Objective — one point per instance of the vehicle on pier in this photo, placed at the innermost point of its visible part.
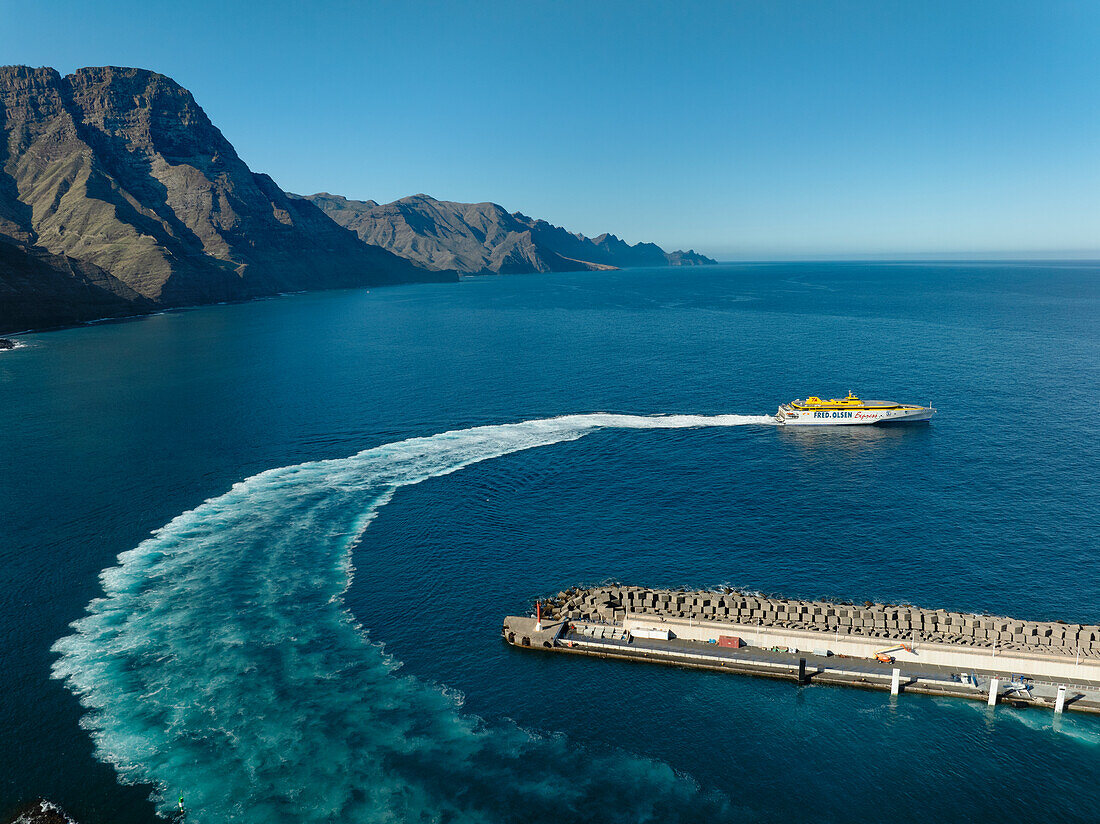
(883, 656)
(849, 411)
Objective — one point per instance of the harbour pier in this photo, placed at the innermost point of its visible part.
(875, 646)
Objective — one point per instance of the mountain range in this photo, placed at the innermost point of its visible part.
(484, 237)
(118, 196)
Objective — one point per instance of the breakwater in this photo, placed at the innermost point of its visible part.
(884, 621)
(884, 646)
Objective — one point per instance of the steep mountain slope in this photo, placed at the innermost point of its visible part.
(39, 289)
(484, 237)
(470, 237)
(688, 258)
(120, 170)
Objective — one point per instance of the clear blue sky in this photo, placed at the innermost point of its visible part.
(743, 129)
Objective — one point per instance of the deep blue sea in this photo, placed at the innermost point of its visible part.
(287, 532)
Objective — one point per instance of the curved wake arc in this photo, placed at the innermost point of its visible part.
(221, 660)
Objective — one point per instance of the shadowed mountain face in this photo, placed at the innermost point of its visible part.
(39, 289)
(115, 182)
(483, 237)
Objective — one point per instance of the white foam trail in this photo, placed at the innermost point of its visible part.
(221, 662)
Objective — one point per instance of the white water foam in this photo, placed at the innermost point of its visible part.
(1078, 729)
(42, 810)
(222, 663)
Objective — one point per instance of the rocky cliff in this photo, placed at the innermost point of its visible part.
(117, 194)
(484, 237)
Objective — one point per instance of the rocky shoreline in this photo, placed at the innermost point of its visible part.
(612, 603)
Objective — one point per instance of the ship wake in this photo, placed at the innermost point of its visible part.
(221, 662)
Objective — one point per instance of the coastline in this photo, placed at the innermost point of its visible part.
(457, 277)
(164, 310)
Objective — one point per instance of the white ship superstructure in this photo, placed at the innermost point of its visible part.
(849, 411)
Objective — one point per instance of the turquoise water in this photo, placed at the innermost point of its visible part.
(348, 490)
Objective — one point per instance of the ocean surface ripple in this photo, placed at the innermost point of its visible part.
(222, 663)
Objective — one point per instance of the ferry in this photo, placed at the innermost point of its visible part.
(849, 411)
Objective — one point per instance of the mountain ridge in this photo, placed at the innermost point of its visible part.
(484, 238)
(116, 181)
(119, 196)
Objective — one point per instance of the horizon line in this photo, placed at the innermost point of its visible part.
(917, 257)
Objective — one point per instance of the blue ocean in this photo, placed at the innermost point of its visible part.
(258, 554)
